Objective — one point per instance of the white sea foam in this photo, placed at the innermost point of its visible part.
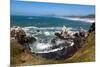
(30, 18)
(45, 28)
(46, 47)
(47, 33)
(72, 44)
(42, 46)
(59, 42)
(53, 50)
(79, 19)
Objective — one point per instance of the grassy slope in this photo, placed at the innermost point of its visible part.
(85, 54)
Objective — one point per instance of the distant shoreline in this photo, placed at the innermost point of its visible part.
(89, 20)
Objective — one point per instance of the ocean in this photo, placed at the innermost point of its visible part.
(43, 28)
(44, 21)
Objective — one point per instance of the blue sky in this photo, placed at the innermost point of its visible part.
(49, 9)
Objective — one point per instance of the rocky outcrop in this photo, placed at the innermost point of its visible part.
(21, 37)
(61, 37)
(92, 28)
(17, 32)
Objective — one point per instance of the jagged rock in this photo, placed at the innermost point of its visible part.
(38, 30)
(76, 35)
(17, 32)
(62, 37)
(92, 28)
(26, 39)
(21, 37)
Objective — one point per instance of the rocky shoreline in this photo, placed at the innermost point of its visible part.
(77, 40)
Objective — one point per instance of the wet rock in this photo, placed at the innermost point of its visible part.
(92, 28)
(77, 41)
(76, 35)
(62, 37)
(57, 34)
(28, 40)
(38, 30)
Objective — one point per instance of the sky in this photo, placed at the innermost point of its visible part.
(49, 9)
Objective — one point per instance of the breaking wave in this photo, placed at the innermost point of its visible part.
(49, 47)
(45, 31)
(44, 28)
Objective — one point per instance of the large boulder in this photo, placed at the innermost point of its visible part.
(63, 37)
(17, 32)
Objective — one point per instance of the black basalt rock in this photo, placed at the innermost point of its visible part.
(92, 28)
